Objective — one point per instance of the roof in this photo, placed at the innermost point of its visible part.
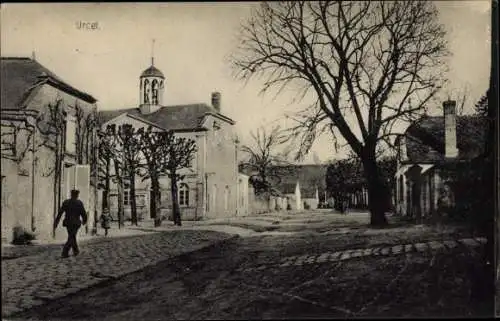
(22, 76)
(177, 118)
(425, 139)
(152, 71)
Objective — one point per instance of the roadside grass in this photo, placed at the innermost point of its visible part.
(446, 284)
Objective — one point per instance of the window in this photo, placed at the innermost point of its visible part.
(126, 197)
(214, 196)
(184, 195)
(146, 91)
(226, 198)
(194, 164)
(70, 134)
(154, 89)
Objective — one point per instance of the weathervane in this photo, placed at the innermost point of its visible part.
(153, 53)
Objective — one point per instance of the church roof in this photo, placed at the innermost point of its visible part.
(21, 76)
(152, 71)
(177, 118)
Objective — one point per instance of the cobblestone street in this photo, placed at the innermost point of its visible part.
(258, 275)
(31, 280)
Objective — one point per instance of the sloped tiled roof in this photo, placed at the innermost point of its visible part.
(178, 117)
(425, 139)
(20, 76)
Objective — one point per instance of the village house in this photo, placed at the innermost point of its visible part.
(425, 150)
(304, 186)
(212, 186)
(300, 187)
(47, 146)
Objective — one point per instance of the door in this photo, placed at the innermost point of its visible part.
(151, 204)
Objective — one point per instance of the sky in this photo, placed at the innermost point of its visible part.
(192, 43)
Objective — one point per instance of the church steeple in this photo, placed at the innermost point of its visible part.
(151, 87)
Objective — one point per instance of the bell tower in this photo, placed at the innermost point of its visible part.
(151, 84)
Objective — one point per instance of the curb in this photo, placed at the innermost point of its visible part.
(106, 280)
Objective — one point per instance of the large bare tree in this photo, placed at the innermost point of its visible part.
(368, 65)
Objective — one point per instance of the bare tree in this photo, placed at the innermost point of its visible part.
(51, 124)
(264, 161)
(111, 156)
(179, 154)
(362, 61)
(130, 148)
(17, 135)
(153, 146)
(105, 158)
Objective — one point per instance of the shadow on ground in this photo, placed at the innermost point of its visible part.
(208, 284)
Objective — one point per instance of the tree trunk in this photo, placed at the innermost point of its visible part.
(107, 183)
(120, 193)
(155, 186)
(133, 204)
(176, 212)
(56, 169)
(377, 191)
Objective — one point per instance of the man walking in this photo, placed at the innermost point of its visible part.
(73, 209)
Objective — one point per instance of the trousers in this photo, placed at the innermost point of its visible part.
(71, 242)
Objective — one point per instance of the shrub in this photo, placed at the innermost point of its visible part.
(307, 206)
(288, 207)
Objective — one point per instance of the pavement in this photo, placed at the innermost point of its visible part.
(32, 280)
(38, 280)
(276, 277)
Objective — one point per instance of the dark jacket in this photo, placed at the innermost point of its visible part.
(74, 209)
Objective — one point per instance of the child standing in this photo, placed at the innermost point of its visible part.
(105, 221)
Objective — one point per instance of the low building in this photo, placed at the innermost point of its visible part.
(47, 147)
(425, 151)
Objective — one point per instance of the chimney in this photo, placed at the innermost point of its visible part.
(216, 101)
(450, 129)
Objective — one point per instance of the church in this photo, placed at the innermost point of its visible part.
(212, 186)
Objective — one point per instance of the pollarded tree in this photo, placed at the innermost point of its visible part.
(154, 148)
(179, 154)
(111, 157)
(129, 143)
(105, 161)
(362, 61)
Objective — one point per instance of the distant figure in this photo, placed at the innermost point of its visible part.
(344, 207)
(73, 209)
(105, 221)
